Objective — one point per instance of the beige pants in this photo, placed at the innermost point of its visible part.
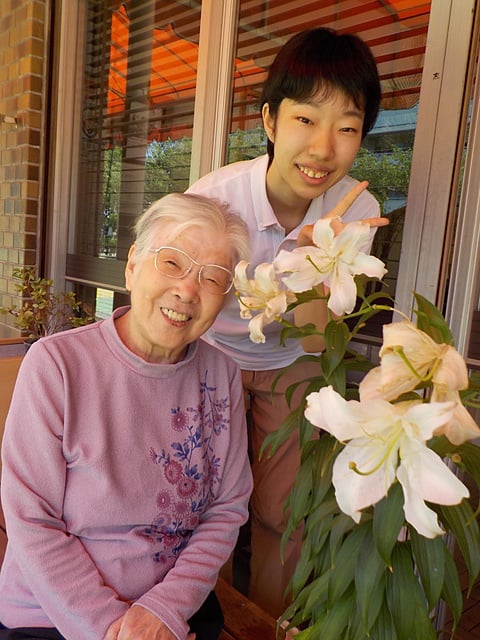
(273, 479)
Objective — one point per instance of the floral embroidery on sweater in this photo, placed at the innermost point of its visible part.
(191, 469)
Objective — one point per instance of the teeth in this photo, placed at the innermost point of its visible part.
(313, 174)
(174, 315)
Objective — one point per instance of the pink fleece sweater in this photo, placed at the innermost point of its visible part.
(123, 481)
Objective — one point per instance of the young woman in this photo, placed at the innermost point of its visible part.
(320, 99)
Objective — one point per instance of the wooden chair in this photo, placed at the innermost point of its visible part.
(244, 620)
(8, 374)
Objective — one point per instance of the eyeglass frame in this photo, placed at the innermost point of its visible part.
(193, 262)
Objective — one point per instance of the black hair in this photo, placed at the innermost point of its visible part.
(322, 59)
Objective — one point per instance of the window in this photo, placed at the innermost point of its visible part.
(396, 33)
(155, 93)
(137, 88)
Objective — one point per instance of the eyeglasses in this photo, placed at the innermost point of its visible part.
(175, 263)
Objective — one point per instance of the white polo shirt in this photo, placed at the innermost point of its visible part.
(243, 186)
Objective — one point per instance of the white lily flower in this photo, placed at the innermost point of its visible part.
(334, 261)
(387, 442)
(461, 427)
(262, 294)
(409, 355)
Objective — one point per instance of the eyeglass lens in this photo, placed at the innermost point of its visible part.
(174, 263)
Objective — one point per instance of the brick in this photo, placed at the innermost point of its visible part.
(19, 207)
(29, 189)
(23, 30)
(29, 224)
(31, 207)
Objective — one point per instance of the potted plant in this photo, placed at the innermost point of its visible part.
(382, 496)
(43, 311)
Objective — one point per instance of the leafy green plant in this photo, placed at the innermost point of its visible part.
(357, 579)
(44, 311)
(379, 494)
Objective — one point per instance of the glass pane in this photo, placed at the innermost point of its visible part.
(138, 90)
(396, 31)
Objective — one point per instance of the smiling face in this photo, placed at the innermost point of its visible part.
(315, 144)
(168, 314)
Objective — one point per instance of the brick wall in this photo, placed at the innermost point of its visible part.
(23, 83)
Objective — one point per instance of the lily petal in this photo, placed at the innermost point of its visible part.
(266, 280)
(343, 291)
(242, 283)
(452, 371)
(303, 268)
(346, 419)
(408, 356)
(425, 477)
(348, 243)
(422, 419)
(354, 491)
(461, 426)
(255, 326)
(369, 265)
(416, 511)
(262, 294)
(334, 260)
(323, 234)
(371, 386)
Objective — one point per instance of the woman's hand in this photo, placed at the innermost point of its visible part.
(305, 236)
(140, 624)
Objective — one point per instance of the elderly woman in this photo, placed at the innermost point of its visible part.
(125, 469)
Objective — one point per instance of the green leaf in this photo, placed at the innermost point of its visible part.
(306, 430)
(314, 383)
(471, 396)
(384, 627)
(337, 617)
(277, 438)
(300, 499)
(316, 603)
(303, 569)
(369, 582)
(356, 628)
(338, 379)
(403, 591)
(423, 629)
(452, 591)
(320, 517)
(298, 611)
(344, 562)
(336, 337)
(341, 526)
(326, 450)
(301, 360)
(314, 477)
(388, 518)
(461, 520)
(429, 557)
(292, 332)
(312, 633)
(431, 321)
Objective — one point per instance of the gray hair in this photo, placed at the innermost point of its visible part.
(180, 211)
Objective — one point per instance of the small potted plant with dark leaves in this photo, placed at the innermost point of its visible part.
(44, 311)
